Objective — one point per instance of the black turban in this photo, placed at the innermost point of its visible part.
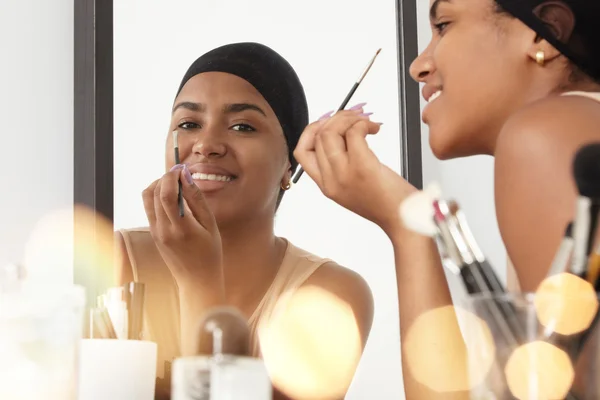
(270, 74)
(587, 12)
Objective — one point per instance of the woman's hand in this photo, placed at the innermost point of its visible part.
(335, 154)
(190, 245)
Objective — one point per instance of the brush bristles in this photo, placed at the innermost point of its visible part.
(362, 76)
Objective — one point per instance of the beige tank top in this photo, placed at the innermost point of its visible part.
(161, 306)
(511, 275)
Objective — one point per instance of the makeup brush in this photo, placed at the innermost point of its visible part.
(345, 102)
(136, 292)
(477, 275)
(563, 255)
(593, 276)
(586, 171)
(581, 233)
(584, 262)
(178, 161)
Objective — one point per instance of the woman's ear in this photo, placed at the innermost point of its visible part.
(286, 180)
(558, 17)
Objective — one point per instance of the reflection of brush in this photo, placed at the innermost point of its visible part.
(101, 326)
(345, 102)
(116, 305)
(135, 291)
(177, 161)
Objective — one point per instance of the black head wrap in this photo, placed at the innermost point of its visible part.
(270, 74)
(587, 13)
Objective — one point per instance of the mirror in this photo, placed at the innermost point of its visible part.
(468, 180)
(328, 44)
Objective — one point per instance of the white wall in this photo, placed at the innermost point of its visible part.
(155, 41)
(36, 110)
(468, 180)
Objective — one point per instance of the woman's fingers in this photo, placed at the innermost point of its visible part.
(169, 196)
(148, 198)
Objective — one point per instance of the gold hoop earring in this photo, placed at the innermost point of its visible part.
(286, 187)
(540, 58)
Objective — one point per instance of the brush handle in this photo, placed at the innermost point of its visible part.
(342, 106)
(469, 281)
(479, 278)
(348, 96)
(298, 175)
(489, 279)
(593, 271)
(180, 198)
(179, 192)
(594, 214)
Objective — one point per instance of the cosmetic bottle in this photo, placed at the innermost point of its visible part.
(222, 368)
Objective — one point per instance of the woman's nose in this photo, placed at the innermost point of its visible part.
(422, 67)
(210, 145)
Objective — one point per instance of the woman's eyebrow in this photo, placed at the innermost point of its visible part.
(239, 107)
(189, 105)
(434, 8)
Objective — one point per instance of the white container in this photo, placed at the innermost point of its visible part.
(231, 378)
(117, 369)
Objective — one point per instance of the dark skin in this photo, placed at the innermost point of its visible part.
(224, 251)
(497, 100)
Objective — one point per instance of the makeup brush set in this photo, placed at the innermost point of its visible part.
(565, 305)
(118, 313)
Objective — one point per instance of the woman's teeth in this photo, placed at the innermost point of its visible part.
(434, 96)
(210, 177)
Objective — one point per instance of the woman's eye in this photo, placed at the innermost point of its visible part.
(243, 128)
(441, 27)
(188, 125)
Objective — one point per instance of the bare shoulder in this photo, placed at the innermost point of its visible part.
(124, 246)
(334, 276)
(534, 188)
(350, 287)
(326, 322)
(555, 120)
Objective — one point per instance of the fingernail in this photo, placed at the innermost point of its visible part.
(326, 115)
(188, 175)
(358, 106)
(366, 114)
(176, 167)
(379, 123)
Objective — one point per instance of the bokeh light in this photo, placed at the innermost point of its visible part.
(566, 304)
(70, 239)
(311, 344)
(48, 253)
(437, 355)
(539, 371)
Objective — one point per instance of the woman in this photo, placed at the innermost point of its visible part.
(239, 112)
(516, 79)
